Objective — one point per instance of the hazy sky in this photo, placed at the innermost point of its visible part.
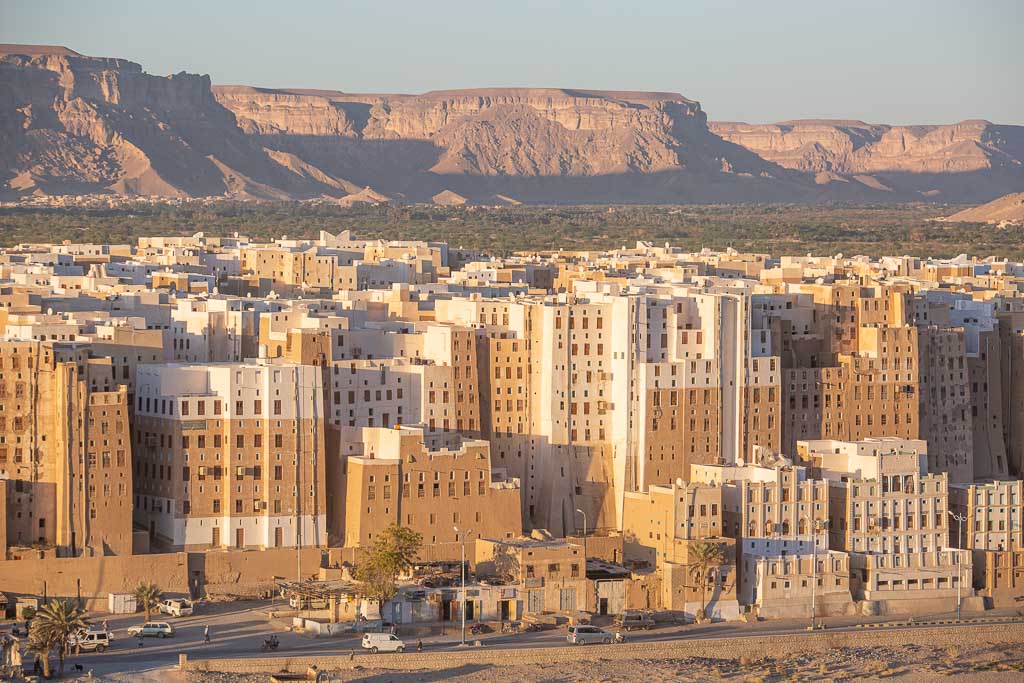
(893, 61)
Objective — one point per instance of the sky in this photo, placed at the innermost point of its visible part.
(894, 61)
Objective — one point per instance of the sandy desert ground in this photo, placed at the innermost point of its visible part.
(911, 664)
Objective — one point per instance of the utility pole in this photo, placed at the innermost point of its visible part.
(585, 555)
(961, 518)
(584, 538)
(816, 526)
(462, 538)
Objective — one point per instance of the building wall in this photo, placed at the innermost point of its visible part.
(945, 404)
(230, 455)
(994, 514)
(984, 371)
(399, 480)
(782, 586)
(913, 576)
(63, 447)
(658, 525)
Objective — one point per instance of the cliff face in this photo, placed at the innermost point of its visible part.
(494, 132)
(912, 158)
(76, 124)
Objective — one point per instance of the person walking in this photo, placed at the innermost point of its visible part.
(419, 646)
(206, 633)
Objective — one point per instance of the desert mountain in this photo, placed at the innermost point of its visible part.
(954, 162)
(72, 124)
(1008, 208)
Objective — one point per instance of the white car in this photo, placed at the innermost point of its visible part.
(91, 641)
(151, 629)
(382, 642)
(585, 635)
(176, 607)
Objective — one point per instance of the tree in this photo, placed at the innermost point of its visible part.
(148, 595)
(392, 552)
(704, 557)
(506, 563)
(55, 624)
(40, 645)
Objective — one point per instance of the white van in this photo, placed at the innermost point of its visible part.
(176, 607)
(382, 642)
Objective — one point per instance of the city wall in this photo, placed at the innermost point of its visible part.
(93, 578)
(721, 648)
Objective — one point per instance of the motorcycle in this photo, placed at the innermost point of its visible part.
(533, 627)
(478, 628)
(511, 627)
(269, 644)
(619, 638)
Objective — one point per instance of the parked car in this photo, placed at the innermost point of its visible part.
(91, 640)
(176, 607)
(585, 635)
(631, 621)
(382, 642)
(151, 629)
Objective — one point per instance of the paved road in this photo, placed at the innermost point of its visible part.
(238, 630)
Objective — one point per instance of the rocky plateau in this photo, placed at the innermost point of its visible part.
(73, 124)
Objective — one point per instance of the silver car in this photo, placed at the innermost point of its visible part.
(585, 635)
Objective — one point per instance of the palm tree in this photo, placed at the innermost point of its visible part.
(148, 595)
(55, 623)
(703, 557)
(40, 645)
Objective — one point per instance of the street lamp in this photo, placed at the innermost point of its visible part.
(961, 518)
(462, 538)
(816, 526)
(585, 553)
(584, 538)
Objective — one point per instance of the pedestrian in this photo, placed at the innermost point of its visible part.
(206, 633)
(419, 646)
(140, 640)
(106, 629)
